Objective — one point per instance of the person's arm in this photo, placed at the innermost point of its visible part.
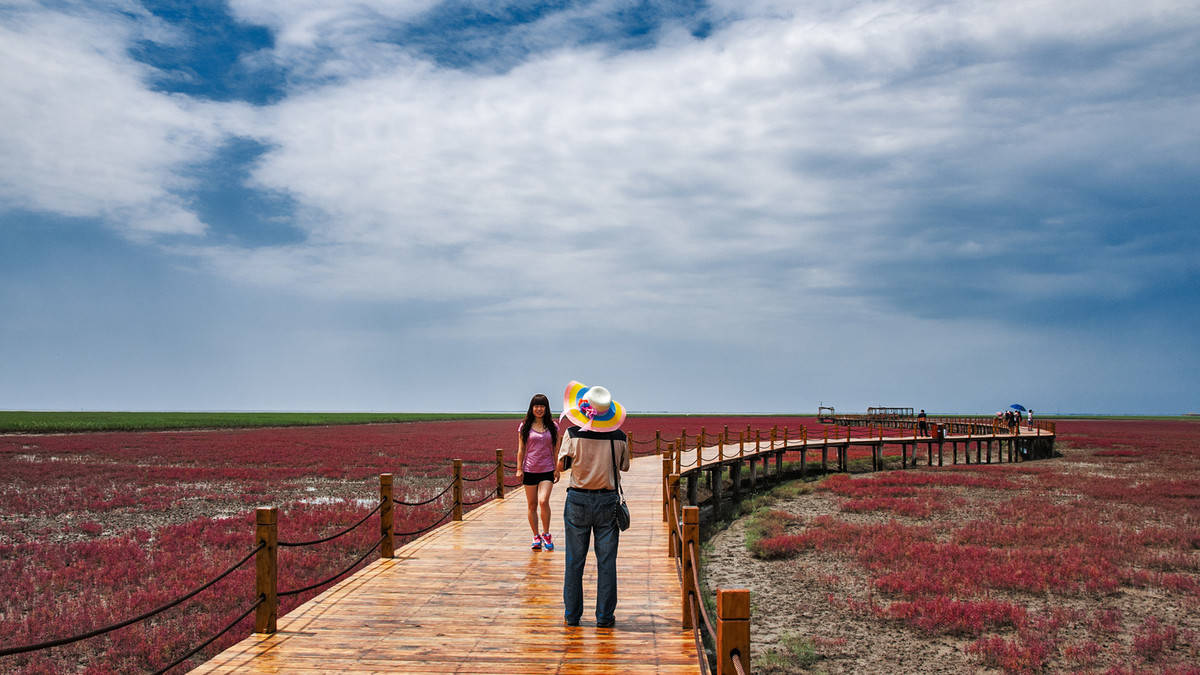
(626, 456)
(557, 462)
(520, 456)
(564, 455)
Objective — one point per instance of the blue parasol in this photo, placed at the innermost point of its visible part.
(1017, 406)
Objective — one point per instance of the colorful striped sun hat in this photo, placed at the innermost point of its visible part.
(592, 408)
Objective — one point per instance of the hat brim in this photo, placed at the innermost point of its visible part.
(611, 420)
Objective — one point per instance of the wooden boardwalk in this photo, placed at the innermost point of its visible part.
(470, 597)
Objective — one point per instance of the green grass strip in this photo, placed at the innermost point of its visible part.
(15, 421)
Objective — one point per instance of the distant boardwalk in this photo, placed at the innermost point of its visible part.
(470, 597)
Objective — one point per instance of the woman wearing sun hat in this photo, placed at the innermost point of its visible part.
(593, 447)
(537, 446)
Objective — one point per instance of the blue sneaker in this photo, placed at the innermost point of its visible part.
(547, 542)
(537, 543)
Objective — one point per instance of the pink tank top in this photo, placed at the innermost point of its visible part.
(539, 451)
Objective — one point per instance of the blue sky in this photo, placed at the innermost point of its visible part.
(724, 206)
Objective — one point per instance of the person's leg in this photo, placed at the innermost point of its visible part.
(576, 531)
(531, 504)
(607, 540)
(544, 490)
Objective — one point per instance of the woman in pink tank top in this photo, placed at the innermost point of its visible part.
(537, 449)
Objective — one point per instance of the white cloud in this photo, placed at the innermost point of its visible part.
(785, 159)
(82, 136)
(816, 139)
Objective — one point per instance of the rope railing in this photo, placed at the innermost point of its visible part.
(226, 629)
(427, 528)
(708, 624)
(427, 501)
(319, 584)
(331, 537)
(736, 656)
(696, 636)
(486, 475)
(485, 498)
(108, 629)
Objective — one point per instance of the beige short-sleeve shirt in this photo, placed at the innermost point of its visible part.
(591, 454)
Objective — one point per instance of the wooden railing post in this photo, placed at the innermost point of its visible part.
(388, 548)
(458, 492)
(658, 441)
(825, 452)
(499, 473)
(666, 487)
(741, 444)
(733, 630)
(266, 572)
(691, 535)
(674, 514)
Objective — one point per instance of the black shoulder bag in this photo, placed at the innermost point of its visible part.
(620, 511)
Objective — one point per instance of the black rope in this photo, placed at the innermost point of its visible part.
(423, 530)
(485, 498)
(486, 475)
(99, 631)
(512, 466)
(508, 485)
(322, 583)
(427, 501)
(185, 657)
(333, 536)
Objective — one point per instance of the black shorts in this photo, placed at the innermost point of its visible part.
(535, 478)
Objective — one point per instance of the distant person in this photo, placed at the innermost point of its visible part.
(594, 448)
(1030, 418)
(537, 446)
(922, 424)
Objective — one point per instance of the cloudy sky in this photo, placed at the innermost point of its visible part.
(734, 205)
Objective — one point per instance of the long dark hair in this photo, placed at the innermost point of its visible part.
(547, 420)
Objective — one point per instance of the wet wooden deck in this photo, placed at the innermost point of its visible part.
(470, 597)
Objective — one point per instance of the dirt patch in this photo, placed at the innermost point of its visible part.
(793, 597)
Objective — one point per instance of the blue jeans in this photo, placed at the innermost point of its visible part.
(586, 513)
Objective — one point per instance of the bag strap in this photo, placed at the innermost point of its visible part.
(616, 471)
